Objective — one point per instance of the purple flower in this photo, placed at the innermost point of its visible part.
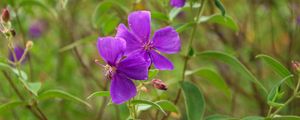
(121, 70)
(177, 3)
(165, 40)
(19, 51)
(37, 28)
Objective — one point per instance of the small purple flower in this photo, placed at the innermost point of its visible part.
(177, 3)
(121, 70)
(19, 51)
(165, 40)
(37, 28)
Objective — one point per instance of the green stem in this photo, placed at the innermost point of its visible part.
(186, 57)
(295, 94)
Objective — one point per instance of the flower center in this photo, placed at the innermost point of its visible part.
(110, 70)
(148, 46)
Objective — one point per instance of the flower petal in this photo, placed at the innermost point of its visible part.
(167, 40)
(121, 89)
(111, 49)
(161, 62)
(140, 24)
(134, 67)
(177, 3)
(132, 42)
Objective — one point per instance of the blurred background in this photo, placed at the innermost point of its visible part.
(64, 33)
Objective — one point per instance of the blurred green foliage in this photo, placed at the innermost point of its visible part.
(228, 81)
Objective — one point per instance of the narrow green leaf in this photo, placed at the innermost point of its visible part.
(99, 93)
(159, 16)
(219, 117)
(275, 92)
(79, 42)
(173, 13)
(4, 66)
(194, 101)
(214, 78)
(185, 26)
(34, 87)
(286, 118)
(105, 7)
(38, 3)
(167, 106)
(234, 63)
(220, 6)
(225, 21)
(278, 68)
(253, 118)
(61, 94)
(155, 105)
(152, 73)
(10, 105)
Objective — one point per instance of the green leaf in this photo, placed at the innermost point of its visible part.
(173, 13)
(152, 73)
(191, 52)
(219, 117)
(194, 101)
(185, 26)
(38, 3)
(234, 63)
(278, 68)
(23, 76)
(159, 16)
(286, 118)
(155, 105)
(10, 105)
(167, 106)
(214, 78)
(34, 87)
(106, 7)
(61, 94)
(275, 92)
(225, 21)
(253, 118)
(79, 42)
(99, 93)
(220, 6)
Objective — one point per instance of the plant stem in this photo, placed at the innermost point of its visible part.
(186, 57)
(295, 94)
(189, 46)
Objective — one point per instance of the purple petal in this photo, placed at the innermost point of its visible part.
(167, 40)
(111, 49)
(132, 42)
(19, 51)
(140, 24)
(121, 89)
(177, 3)
(161, 62)
(134, 67)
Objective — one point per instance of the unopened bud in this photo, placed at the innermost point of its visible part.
(159, 84)
(29, 44)
(5, 15)
(296, 66)
(144, 89)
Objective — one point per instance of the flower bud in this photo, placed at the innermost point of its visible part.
(296, 66)
(29, 44)
(159, 84)
(5, 15)
(144, 89)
